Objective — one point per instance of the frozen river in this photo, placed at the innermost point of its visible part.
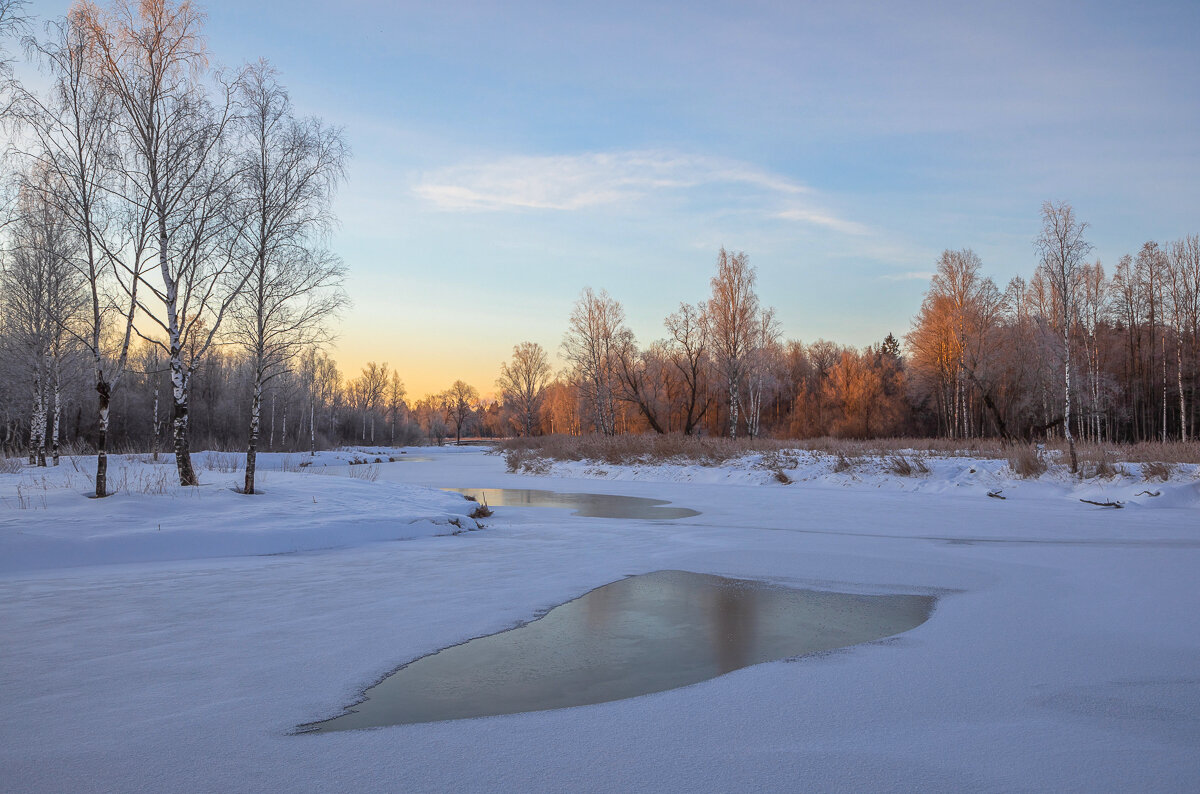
(1064, 661)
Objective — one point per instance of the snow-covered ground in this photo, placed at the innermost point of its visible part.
(168, 640)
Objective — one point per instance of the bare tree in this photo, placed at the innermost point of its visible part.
(368, 392)
(1184, 259)
(178, 167)
(460, 402)
(1063, 249)
(522, 382)
(639, 379)
(13, 20)
(1094, 294)
(289, 169)
(590, 345)
(1153, 273)
(732, 324)
(72, 131)
(41, 298)
(394, 397)
(759, 378)
(687, 351)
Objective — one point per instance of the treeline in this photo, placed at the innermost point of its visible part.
(991, 361)
(309, 406)
(1069, 352)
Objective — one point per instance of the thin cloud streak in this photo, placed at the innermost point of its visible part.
(573, 182)
(821, 218)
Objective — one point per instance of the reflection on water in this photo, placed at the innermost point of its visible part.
(642, 634)
(594, 505)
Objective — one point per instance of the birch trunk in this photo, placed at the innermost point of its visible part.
(56, 420)
(105, 397)
(1164, 386)
(252, 447)
(1067, 400)
(1183, 431)
(37, 427)
(157, 424)
(733, 409)
(179, 423)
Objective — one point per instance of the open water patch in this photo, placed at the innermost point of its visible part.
(639, 635)
(592, 505)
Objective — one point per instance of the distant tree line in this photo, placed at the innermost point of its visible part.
(1069, 353)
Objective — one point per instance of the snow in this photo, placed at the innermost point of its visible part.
(1062, 653)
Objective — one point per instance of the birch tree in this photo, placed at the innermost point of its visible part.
(74, 143)
(12, 21)
(289, 169)
(1184, 257)
(41, 299)
(1062, 249)
(759, 378)
(394, 398)
(522, 383)
(178, 167)
(732, 316)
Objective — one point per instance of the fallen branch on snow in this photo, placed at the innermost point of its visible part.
(996, 494)
(1104, 504)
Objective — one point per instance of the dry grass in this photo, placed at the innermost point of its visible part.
(292, 463)
(1157, 470)
(1026, 461)
(223, 462)
(155, 481)
(520, 460)
(523, 453)
(779, 463)
(11, 465)
(369, 472)
(710, 451)
(902, 466)
(481, 510)
(1098, 462)
(635, 449)
(845, 463)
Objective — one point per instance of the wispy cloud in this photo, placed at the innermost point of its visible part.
(600, 179)
(573, 182)
(822, 218)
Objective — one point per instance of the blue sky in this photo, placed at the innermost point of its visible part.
(508, 154)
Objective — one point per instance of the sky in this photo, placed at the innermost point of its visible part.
(508, 154)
